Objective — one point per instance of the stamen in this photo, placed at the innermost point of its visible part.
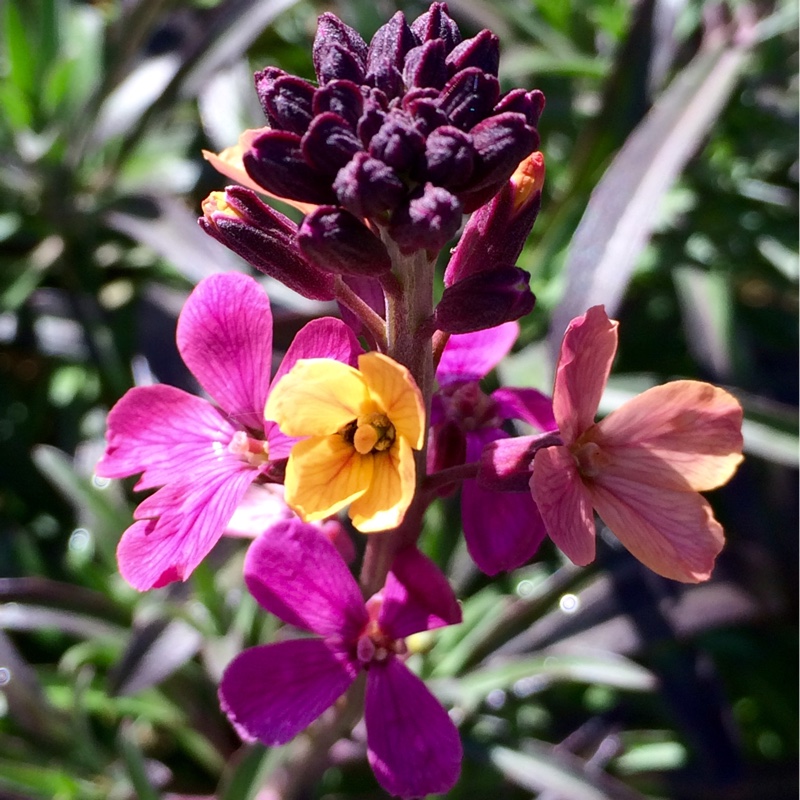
(589, 458)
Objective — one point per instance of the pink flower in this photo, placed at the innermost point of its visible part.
(641, 467)
(273, 691)
(205, 457)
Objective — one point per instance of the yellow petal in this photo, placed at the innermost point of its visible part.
(323, 475)
(397, 394)
(229, 163)
(317, 397)
(390, 493)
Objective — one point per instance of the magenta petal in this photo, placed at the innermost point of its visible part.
(416, 597)
(158, 431)
(503, 530)
(529, 405)
(274, 691)
(472, 356)
(412, 745)
(225, 338)
(296, 573)
(180, 523)
(321, 338)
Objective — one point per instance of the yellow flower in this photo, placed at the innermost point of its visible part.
(361, 426)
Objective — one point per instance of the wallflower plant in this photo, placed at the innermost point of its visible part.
(384, 153)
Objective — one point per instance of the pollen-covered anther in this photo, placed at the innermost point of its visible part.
(373, 433)
(374, 645)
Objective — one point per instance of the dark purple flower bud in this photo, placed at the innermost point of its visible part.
(436, 23)
(387, 53)
(501, 142)
(275, 161)
(427, 221)
(507, 464)
(529, 104)
(329, 143)
(286, 101)
(496, 233)
(338, 51)
(264, 238)
(335, 240)
(482, 51)
(425, 111)
(485, 300)
(263, 80)
(425, 66)
(370, 123)
(449, 156)
(468, 97)
(398, 143)
(367, 187)
(341, 97)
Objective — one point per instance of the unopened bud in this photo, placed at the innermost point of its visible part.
(265, 239)
(335, 240)
(485, 300)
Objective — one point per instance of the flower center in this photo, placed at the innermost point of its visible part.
(373, 643)
(370, 433)
(254, 451)
(469, 407)
(589, 457)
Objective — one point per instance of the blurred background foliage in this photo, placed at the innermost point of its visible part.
(670, 136)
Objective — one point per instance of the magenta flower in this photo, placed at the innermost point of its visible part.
(274, 691)
(204, 457)
(641, 467)
(502, 529)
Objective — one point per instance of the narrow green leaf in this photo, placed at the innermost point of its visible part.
(135, 763)
(539, 672)
(542, 768)
(623, 209)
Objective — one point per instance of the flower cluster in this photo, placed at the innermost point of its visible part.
(383, 154)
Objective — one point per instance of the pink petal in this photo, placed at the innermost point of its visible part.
(564, 504)
(472, 356)
(321, 338)
(529, 405)
(503, 530)
(296, 573)
(587, 351)
(180, 523)
(274, 691)
(158, 431)
(260, 508)
(416, 597)
(413, 746)
(682, 435)
(225, 338)
(673, 533)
